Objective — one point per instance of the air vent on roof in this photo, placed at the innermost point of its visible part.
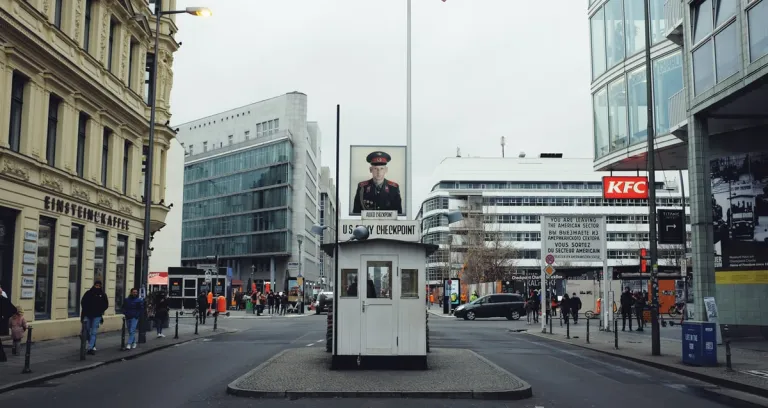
(551, 156)
(521, 155)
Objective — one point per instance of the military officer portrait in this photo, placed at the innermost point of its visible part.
(377, 193)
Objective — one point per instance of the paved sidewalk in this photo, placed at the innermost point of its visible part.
(750, 366)
(438, 311)
(242, 314)
(56, 358)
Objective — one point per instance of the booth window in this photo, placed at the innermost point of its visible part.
(379, 280)
(409, 283)
(349, 283)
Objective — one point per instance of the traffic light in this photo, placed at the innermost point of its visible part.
(643, 260)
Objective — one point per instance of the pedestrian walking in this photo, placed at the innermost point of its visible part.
(270, 302)
(161, 313)
(255, 302)
(202, 307)
(18, 326)
(627, 302)
(575, 303)
(133, 306)
(283, 303)
(93, 304)
(639, 309)
(565, 307)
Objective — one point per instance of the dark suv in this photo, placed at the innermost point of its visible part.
(507, 305)
(324, 300)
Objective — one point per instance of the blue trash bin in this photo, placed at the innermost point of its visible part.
(699, 343)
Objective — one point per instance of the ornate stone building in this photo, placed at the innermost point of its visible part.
(74, 113)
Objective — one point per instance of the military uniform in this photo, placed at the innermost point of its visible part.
(369, 196)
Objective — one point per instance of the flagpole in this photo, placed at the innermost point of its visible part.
(408, 146)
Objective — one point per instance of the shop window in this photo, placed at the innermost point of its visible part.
(121, 263)
(46, 244)
(75, 269)
(100, 258)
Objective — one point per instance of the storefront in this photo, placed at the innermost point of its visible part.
(158, 282)
(53, 246)
(186, 283)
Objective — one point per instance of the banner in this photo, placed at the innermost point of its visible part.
(740, 211)
(377, 179)
(400, 230)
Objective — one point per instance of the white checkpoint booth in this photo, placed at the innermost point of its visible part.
(379, 304)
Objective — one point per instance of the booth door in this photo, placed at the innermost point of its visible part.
(379, 317)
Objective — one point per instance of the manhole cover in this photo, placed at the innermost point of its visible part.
(757, 373)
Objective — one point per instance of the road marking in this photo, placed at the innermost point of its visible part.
(320, 341)
(310, 344)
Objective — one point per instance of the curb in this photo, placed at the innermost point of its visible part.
(69, 371)
(722, 382)
(519, 394)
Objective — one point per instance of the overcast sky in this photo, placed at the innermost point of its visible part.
(482, 69)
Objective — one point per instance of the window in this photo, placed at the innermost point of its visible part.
(100, 258)
(75, 269)
(82, 126)
(17, 107)
(658, 22)
(634, 22)
(702, 20)
(111, 43)
(727, 52)
(46, 243)
(126, 158)
(379, 282)
(231, 140)
(614, 32)
(409, 283)
(667, 81)
(715, 33)
(600, 108)
(105, 156)
(87, 25)
(247, 134)
(57, 14)
(149, 78)
(191, 149)
(758, 30)
(53, 124)
(121, 263)
(349, 283)
(703, 68)
(131, 50)
(617, 113)
(638, 106)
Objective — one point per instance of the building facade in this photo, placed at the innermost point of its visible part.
(327, 219)
(165, 248)
(73, 92)
(502, 201)
(716, 120)
(251, 190)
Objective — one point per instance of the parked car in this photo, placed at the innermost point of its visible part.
(324, 299)
(508, 305)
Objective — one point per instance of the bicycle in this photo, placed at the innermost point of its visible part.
(677, 309)
(589, 314)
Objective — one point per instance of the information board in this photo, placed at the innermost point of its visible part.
(573, 238)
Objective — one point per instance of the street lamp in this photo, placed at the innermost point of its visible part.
(300, 300)
(196, 11)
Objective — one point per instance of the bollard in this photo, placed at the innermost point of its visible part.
(561, 320)
(122, 337)
(176, 334)
(3, 357)
(550, 324)
(82, 340)
(567, 329)
(215, 320)
(616, 334)
(727, 341)
(587, 331)
(28, 353)
(196, 322)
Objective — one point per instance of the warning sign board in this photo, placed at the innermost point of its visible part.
(574, 238)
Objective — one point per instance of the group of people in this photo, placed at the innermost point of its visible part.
(275, 303)
(629, 302)
(569, 306)
(133, 307)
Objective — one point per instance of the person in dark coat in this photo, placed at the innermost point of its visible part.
(161, 313)
(202, 307)
(133, 307)
(627, 301)
(575, 307)
(93, 305)
(565, 308)
(639, 309)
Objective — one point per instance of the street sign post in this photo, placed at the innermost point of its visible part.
(210, 270)
(550, 259)
(549, 270)
(671, 226)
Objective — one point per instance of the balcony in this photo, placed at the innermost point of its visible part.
(157, 216)
(673, 18)
(678, 115)
(471, 208)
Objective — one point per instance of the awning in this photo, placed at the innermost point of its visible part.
(158, 278)
(237, 282)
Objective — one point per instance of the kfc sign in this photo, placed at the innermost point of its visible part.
(620, 187)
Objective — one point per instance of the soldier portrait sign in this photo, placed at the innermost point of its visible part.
(376, 175)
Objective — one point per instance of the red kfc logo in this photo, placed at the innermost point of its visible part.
(621, 187)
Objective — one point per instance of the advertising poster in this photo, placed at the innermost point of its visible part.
(452, 290)
(740, 211)
(376, 179)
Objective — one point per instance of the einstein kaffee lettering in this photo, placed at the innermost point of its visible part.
(84, 213)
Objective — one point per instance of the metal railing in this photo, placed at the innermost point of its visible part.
(673, 16)
(678, 111)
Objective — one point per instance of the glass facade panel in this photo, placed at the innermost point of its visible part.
(667, 81)
(46, 243)
(617, 113)
(725, 10)
(703, 68)
(597, 27)
(121, 263)
(634, 15)
(702, 21)
(727, 52)
(235, 224)
(658, 23)
(75, 269)
(758, 30)
(276, 242)
(100, 258)
(251, 159)
(638, 106)
(600, 110)
(614, 32)
(238, 203)
(238, 182)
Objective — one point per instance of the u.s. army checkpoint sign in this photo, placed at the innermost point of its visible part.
(573, 238)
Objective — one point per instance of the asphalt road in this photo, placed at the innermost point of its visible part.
(196, 374)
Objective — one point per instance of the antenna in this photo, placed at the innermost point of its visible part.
(458, 152)
(503, 143)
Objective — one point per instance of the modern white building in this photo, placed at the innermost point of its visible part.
(251, 190)
(506, 198)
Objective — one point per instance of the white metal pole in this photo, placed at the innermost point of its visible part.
(544, 306)
(604, 304)
(408, 145)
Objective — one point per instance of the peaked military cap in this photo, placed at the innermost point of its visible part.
(378, 158)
